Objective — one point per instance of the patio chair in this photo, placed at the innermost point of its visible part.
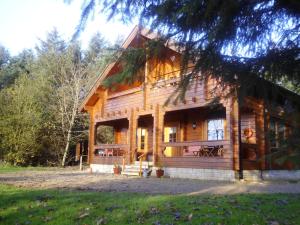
(204, 151)
(109, 152)
(220, 151)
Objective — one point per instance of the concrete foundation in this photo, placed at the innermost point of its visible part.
(201, 174)
(102, 168)
(213, 174)
(281, 175)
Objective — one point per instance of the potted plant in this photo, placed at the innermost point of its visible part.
(117, 169)
(159, 171)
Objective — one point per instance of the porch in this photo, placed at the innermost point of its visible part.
(197, 138)
(111, 142)
(188, 138)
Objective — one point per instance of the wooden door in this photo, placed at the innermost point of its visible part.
(170, 135)
(142, 139)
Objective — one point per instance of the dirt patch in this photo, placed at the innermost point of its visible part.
(72, 179)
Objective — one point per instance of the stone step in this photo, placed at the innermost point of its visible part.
(132, 170)
(146, 163)
(130, 173)
(136, 167)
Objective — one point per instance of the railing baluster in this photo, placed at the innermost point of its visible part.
(141, 163)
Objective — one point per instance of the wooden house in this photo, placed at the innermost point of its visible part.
(189, 138)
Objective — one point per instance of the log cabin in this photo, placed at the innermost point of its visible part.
(188, 138)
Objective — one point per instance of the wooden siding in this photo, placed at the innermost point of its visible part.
(248, 121)
(110, 160)
(164, 89)
(255, 148)
(123, 103)
(164, 68)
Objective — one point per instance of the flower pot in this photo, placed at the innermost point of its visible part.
(159, 173)
(117, 170)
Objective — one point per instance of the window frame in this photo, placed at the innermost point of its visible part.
(173, 134)
(219, 135)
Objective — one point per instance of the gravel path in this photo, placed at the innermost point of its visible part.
(70, 179)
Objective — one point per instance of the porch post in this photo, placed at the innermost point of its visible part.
(132, 135)
(158, 125)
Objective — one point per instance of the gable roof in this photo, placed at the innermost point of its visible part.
(137, 30)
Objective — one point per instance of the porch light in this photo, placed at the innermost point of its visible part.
(194, 125)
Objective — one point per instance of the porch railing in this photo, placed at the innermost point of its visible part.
(195, 149)
(109, 150)
(112, 154)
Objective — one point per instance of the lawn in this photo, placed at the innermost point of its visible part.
(24, 206)
(6, 168)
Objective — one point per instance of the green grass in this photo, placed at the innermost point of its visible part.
(23, 206)
(5, 168)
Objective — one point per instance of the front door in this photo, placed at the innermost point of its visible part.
(170, 135)
(142, 141)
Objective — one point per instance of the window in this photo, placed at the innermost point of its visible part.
(215, 129)
(172, 134)
(277, 132)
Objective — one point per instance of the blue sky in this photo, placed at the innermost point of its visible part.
(24, 22)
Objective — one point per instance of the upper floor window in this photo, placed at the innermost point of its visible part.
(215, 129)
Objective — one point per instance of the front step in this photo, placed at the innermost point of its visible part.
(134, 169)
(130, 173)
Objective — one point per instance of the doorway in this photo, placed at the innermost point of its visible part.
(144, 138)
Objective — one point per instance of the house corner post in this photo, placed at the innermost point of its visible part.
(261, 145)
(91, 136)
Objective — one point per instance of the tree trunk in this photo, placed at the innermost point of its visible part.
(66, 149)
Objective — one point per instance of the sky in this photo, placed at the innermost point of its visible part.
(24, 22)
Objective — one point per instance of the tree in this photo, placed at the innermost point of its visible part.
(236, 40)
(62, 64)
(71, 72)
(96, 58)
(21, 120)
(4, 56)
(13, 67)
(40, 95)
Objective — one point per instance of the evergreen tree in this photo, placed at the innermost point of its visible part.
(236, 40)
(13, 67)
